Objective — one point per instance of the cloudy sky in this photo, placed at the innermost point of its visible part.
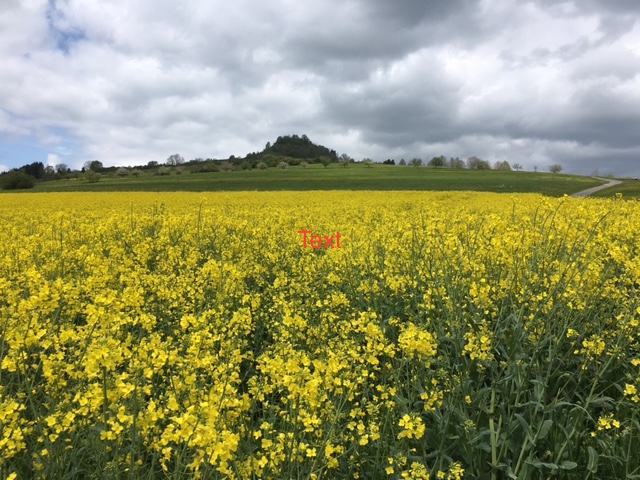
(129, 81)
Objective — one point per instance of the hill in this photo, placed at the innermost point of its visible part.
(294, 146)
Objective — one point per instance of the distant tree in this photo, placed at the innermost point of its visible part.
(152, 164)
(175, 159)
(456, 163)
(16, 180)
(92, 176)
(304, 164)
(267, 146)
(402, 162)
(135, 172)
(325, 161)
(389, 161)
(179, 170)
(62, 168)
(535, 168)
(263, 166)
(367, 162)
(283, 165)
(35, 169)
(122, 172)
(502, 166)
(226, 167)
(163, 171)
(345, 160)
(476, 163)
(517, 166)
(437, 162)
(245, 165)
(416, 162)
(555, 168)
(94, 165)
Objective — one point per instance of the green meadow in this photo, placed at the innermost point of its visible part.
(334, 177)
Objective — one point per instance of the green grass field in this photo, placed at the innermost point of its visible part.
(628, 189)
(354, 177)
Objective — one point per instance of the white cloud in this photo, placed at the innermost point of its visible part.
(130, 82)
(53, 159)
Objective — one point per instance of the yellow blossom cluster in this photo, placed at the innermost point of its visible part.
(193, 335)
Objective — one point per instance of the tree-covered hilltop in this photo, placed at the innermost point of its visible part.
(294, 146)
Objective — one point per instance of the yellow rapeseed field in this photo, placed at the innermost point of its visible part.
(403, 335)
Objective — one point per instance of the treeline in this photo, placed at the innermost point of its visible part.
(286, 151)
(27, 175)
(472, 163)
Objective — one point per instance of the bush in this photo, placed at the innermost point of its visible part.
(304, 164)
(283, 165)
(227, 167)
(162, 171)
(270, 160)
(262, 166)
(204, 167)
(122, 172)
(16, 180)
(92, 176)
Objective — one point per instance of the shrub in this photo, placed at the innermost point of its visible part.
(162, 171)
(283, 165)
(262, 166)
(204, 167)
(92, 177)
(16, 180)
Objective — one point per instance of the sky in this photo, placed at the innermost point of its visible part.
(131, 81)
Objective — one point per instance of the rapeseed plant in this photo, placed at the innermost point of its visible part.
(191, 335)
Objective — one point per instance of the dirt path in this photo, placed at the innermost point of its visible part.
(589, 191)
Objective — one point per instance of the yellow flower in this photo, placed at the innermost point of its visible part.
(413, 427)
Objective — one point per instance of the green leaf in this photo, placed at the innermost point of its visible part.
(568, 465)
(544, 429)
(538, 464)
(592, 466)
(525, 427)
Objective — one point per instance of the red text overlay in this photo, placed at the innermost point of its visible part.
(320, 241)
